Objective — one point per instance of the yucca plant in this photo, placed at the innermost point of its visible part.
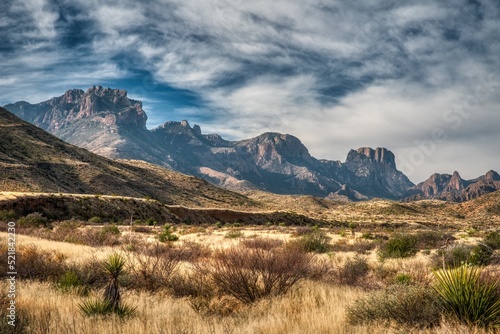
(463, 294)
(111, 302)
(114, 267)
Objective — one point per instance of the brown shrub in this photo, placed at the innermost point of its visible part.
(37, 264)
(249, 274)
(152, 266)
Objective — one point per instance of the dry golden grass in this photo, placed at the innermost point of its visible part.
(73, 252)
(310, 308)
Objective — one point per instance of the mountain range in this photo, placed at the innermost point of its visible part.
(108, 123)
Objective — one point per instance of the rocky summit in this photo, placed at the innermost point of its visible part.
(105, 121)
(454, 188)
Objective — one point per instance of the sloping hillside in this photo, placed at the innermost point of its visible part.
(33, 160)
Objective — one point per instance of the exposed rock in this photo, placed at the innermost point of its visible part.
(454, 188)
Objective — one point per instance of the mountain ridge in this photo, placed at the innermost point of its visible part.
(105, 121)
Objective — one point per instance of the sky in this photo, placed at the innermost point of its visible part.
(420, 78)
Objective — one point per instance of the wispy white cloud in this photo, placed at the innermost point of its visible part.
(336, 74)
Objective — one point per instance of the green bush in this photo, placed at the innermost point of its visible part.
(167, 235)
(463, 295)
(461, 254)
(398, 305)
(481, 255)
(110, 229)
(316, 241)
(70, 282)
(233, 234)
(7, 215)
(400, 246)
(35, 219)
(95, 220)
(493, 240)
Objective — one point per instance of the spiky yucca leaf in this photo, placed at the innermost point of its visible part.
(464, 295)
(93, 307)
(114, 265)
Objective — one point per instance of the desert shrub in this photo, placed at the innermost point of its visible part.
(353, 271)
(89, 272)
(152, 266)
(481, 254)
(233, 234)
(71, 282)
(398, 305)
(110, 229)
(399, 246)
(95, 220)
(453, 256)
(432, 239)
(7, 215)
(249, 274)
(262, 243)
(37, 264)
(458, 255)
(167, 235)
(358, 246)
(492, 239)
(316, 241)
(403, 279)
(463, 295)
(35, 219)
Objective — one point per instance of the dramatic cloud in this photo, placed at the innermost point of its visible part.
(421, 78)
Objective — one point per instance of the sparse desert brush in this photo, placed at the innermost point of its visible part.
(492, 239)
(234, 233)
(432, 239)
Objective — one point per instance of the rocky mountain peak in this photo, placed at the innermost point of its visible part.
(456, 183)
(380, 154)
(492, 175)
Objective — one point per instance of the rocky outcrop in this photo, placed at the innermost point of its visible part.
(454, 188)
(100, 105)
(379, 154)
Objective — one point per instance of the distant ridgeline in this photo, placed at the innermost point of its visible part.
(106, 122)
